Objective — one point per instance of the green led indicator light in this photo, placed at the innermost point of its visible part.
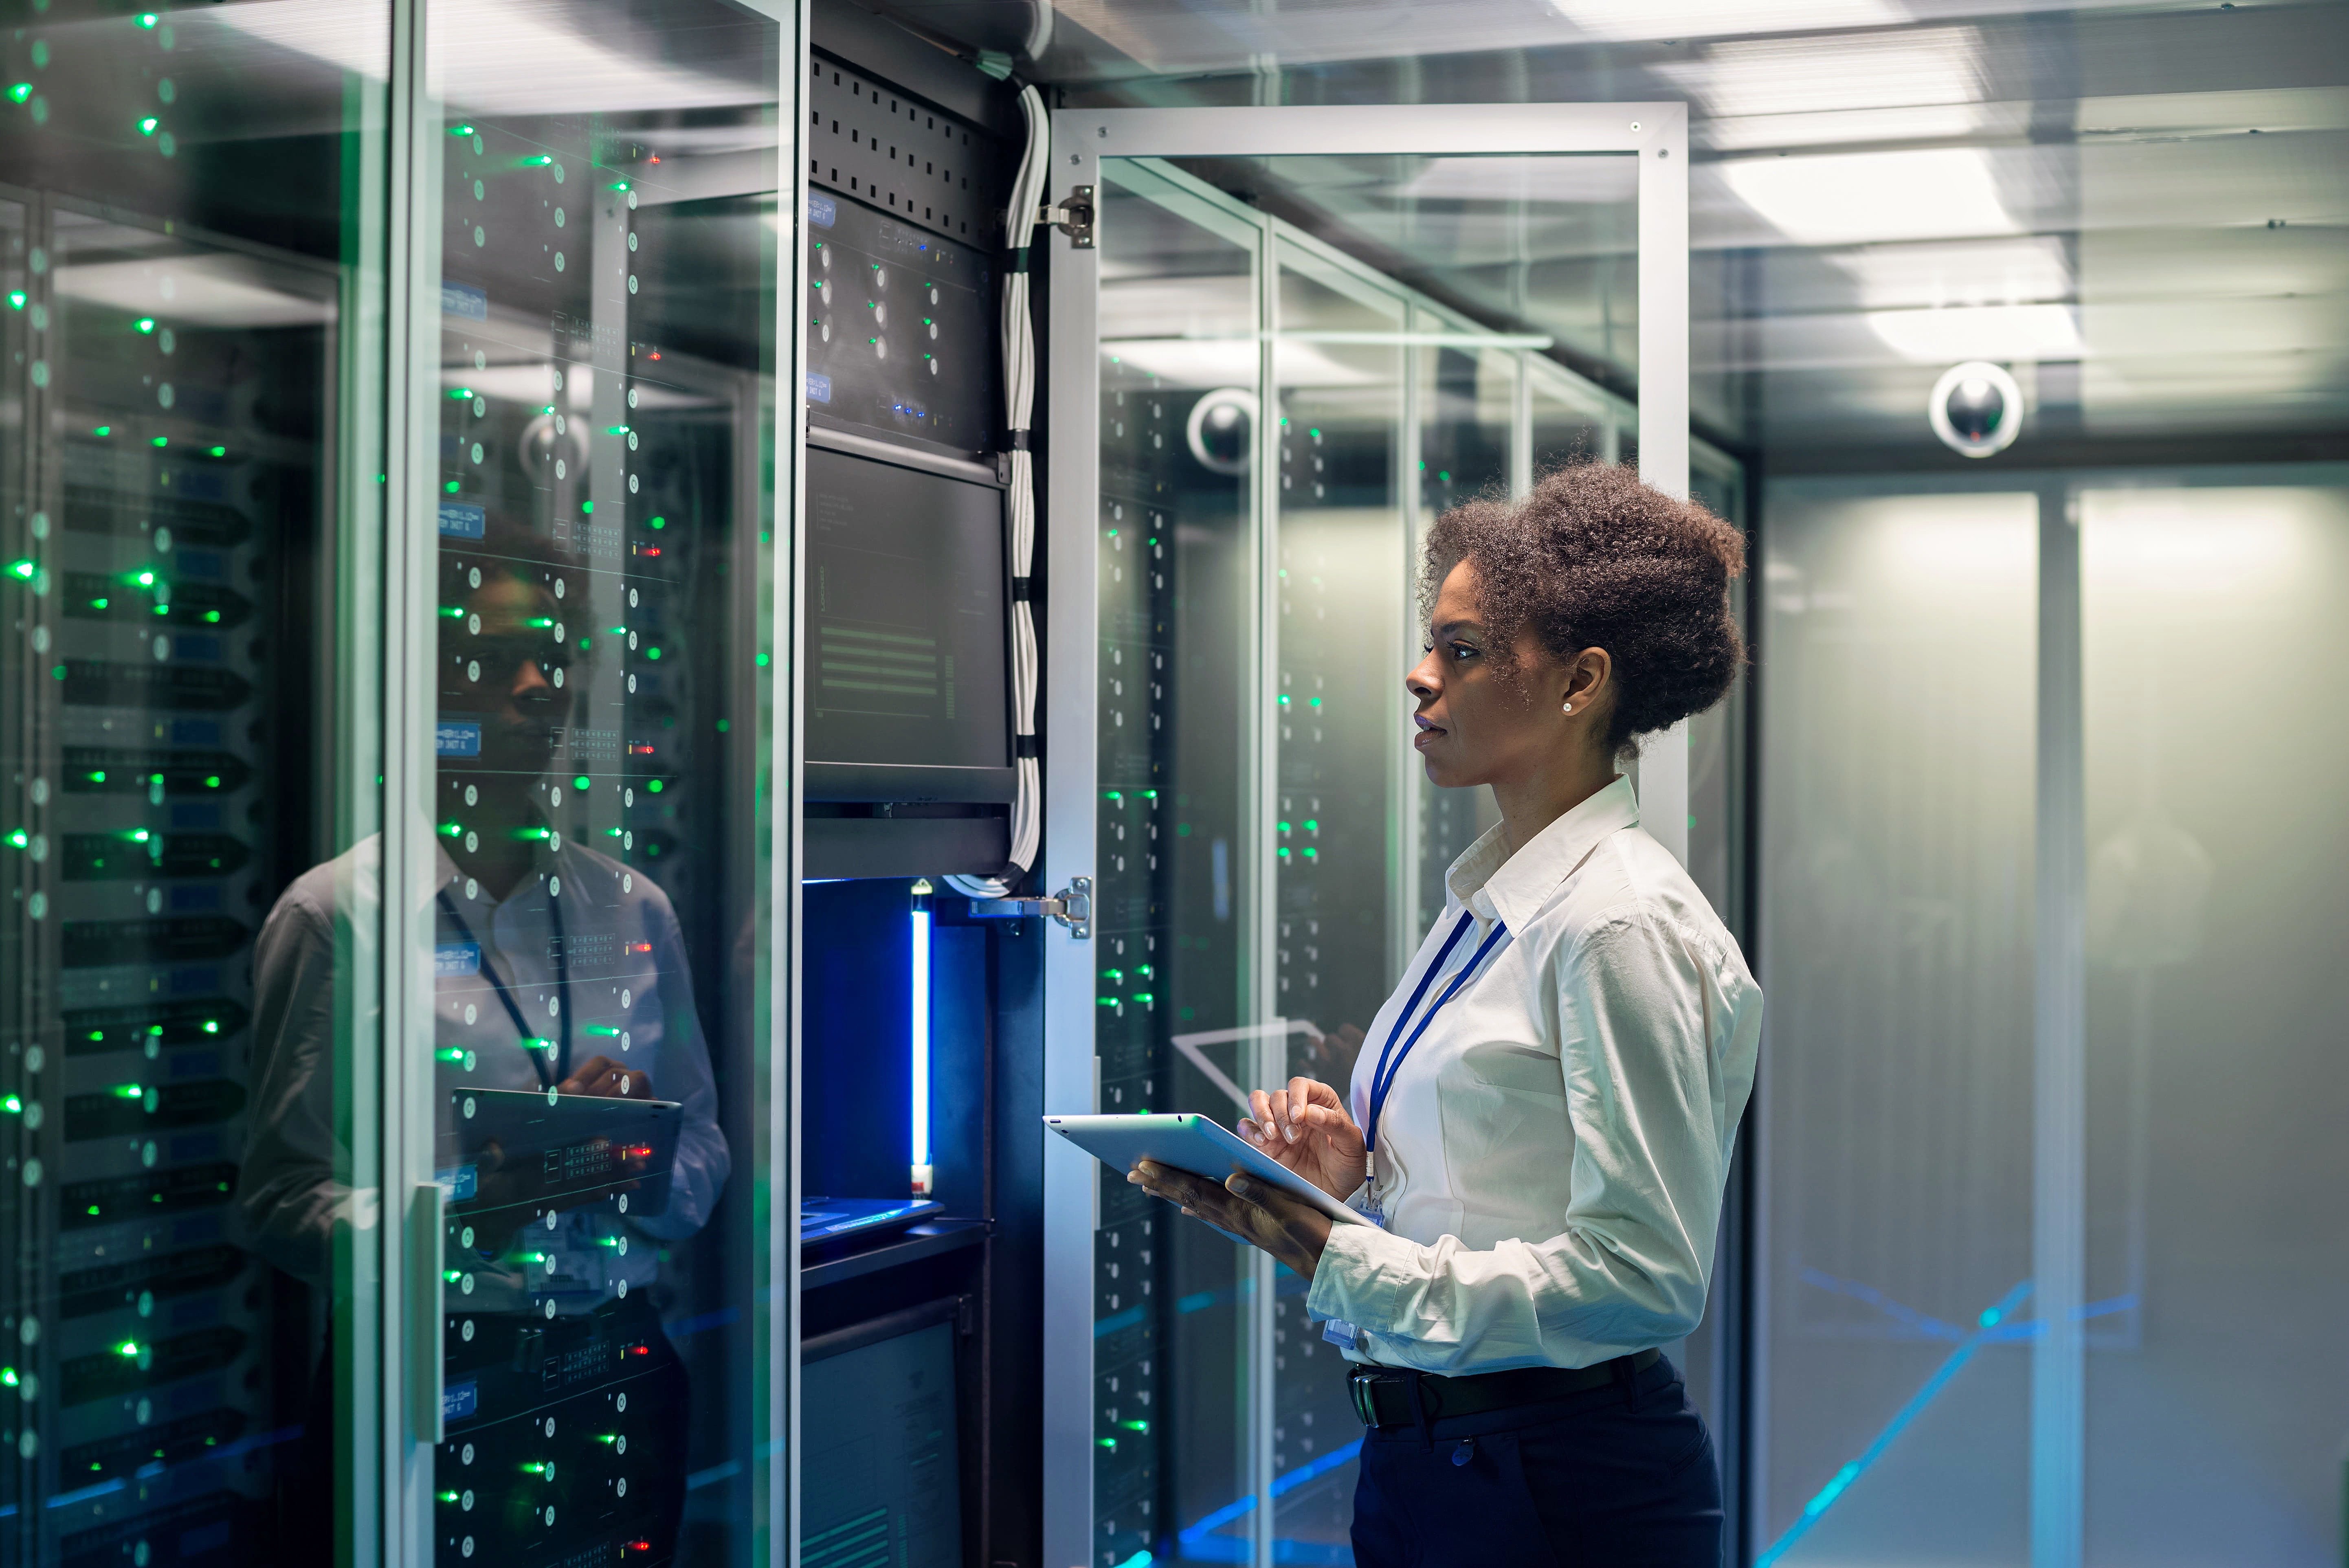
(163, 441)
(655, 786)
(220, 451)
(541, 161)
(147, 125)
(660, 522)
(460, 130)
(147, 19)
(18, 93)
(145, 323)
(580, 782)
(128, 1347)
(102, 430)
(652, 653)
(22, 571)
(450, 488)
(586, 506)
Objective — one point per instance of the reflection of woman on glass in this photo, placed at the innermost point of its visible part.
(1541, 1117)
(555, 968)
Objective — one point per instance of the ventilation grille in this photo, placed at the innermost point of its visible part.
(903, 156)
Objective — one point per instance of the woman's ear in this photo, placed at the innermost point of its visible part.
(1588, 681)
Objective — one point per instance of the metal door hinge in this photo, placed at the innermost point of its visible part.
(1073, 217)
(1072, 906)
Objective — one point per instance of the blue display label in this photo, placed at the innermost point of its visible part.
(453, 958)
(822, 210)
(457, 738)
(459, 1400)
(459, 1184)
(457, 299)
(462, 520)
(819, 387)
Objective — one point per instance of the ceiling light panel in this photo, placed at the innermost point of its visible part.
(1927, 67)
(1634, 19)
(1992, 332)
(1853, 197)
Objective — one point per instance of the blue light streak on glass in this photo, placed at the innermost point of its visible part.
(1814, 1510)
(1199, 1540)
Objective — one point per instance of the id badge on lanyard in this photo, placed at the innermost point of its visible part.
(1337, 1331)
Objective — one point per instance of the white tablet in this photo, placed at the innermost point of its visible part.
(1191, 1143)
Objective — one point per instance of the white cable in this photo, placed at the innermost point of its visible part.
(1020, 500)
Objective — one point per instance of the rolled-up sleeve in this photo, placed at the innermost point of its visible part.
(1629, 1267)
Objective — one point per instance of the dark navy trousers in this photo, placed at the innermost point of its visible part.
(1619, 1477)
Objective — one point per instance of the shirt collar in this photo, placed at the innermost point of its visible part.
(1499, 885)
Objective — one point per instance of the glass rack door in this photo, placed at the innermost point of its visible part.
(588, 911)
(1175, 1342)
(190, 273)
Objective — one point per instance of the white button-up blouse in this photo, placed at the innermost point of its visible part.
(1550, 1156)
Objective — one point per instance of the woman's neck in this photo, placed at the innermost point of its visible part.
(1529, 804)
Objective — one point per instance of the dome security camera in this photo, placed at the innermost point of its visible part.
(1221, 429)
(1976, 410)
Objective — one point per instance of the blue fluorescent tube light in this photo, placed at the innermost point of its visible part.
(921, 1038)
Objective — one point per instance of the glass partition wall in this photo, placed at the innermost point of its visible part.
(1279, 424)
(2050, 1089)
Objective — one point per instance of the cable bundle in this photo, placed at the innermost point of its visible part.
(1019, 501)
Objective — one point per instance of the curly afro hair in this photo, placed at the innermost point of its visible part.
(1594, 558)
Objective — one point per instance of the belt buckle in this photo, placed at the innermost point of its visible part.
(1360, 1382)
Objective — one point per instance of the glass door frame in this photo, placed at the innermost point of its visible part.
(1657, 134)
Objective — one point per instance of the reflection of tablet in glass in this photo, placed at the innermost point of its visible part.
(1191, 1143)
(555, 1147)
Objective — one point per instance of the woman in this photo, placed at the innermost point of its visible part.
(1540, 1119)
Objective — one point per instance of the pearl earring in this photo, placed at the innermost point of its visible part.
(1565, 707)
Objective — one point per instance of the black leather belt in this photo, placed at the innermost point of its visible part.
(1391, 1397)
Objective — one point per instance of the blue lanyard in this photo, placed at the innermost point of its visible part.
(1382, 1077)
(505, 995)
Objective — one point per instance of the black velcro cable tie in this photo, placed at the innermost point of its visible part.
(1023, 747)
(1016, 441)
(1019, 590)
(1014, 260)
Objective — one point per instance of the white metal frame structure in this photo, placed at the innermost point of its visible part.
(1657, 134)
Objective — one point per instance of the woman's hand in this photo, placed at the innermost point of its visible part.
(1292, 1230)
(1306, 1127)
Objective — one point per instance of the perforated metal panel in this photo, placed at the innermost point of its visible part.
(904, 156)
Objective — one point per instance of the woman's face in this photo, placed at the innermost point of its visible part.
(1477, 727)
(520, 694)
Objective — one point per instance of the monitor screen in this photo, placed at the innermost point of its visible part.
(907, 685)
(880, 1465)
